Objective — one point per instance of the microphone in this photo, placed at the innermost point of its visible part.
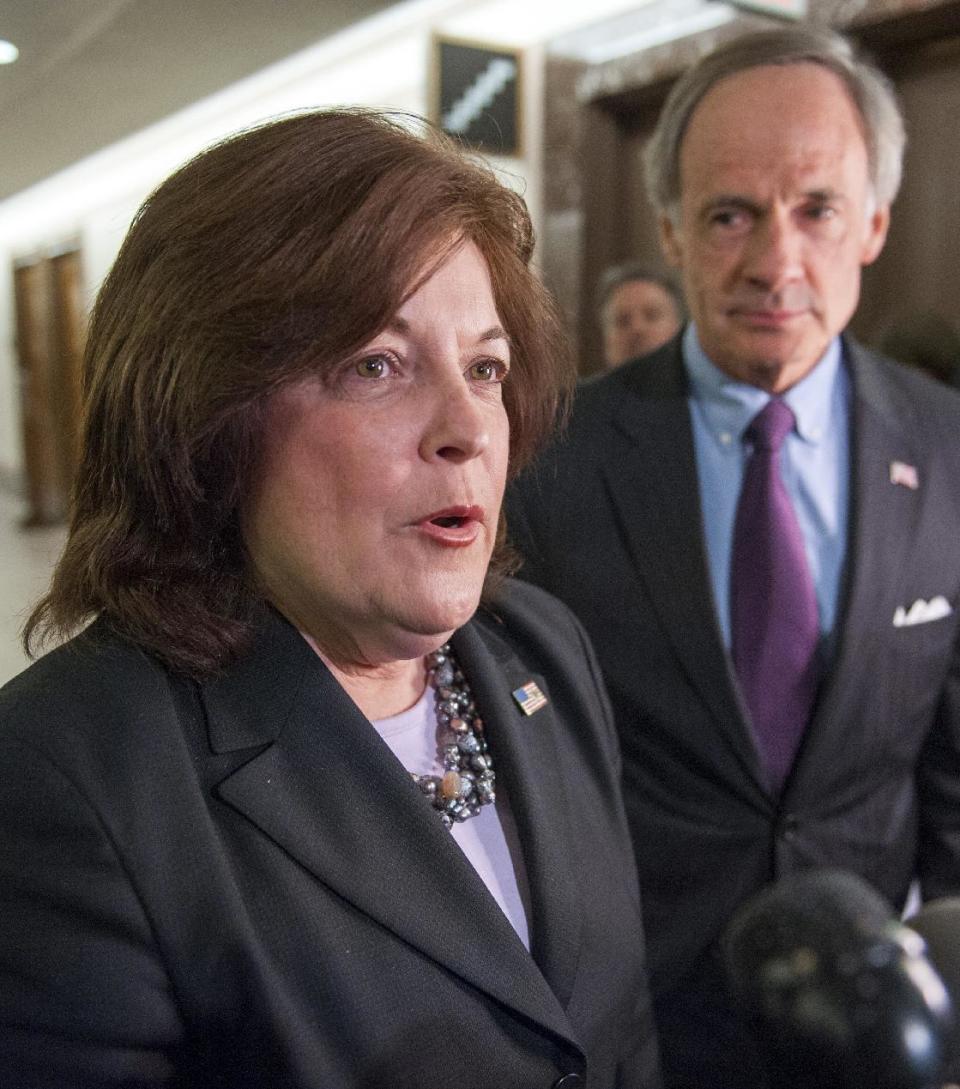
(938, 923)
(838, 994)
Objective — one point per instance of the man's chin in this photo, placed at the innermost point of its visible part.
(772, 360)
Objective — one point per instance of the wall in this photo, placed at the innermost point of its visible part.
(383, 61)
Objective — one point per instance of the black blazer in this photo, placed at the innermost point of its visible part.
(236, 884)
(610, 521)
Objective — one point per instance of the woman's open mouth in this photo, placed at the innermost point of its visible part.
(453, 526)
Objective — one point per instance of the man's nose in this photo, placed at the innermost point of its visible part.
(774, 253)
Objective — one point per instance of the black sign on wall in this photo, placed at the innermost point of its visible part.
(477, 95)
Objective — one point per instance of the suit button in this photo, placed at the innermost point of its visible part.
(788, 825)
(568, 1081)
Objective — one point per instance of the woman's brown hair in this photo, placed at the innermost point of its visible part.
(274, 254)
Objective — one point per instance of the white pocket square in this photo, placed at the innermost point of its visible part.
(922, 612)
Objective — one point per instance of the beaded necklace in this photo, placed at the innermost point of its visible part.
(467, 782)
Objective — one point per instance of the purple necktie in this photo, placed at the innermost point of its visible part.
(773, 606)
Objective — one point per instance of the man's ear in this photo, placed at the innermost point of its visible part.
(876, 235)
(671, 242)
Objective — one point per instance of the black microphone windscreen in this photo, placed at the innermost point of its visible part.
(838, 994)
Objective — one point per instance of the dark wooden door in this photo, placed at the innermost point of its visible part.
(67, 327)
(919, 269)
(49, 332)
(620, 224)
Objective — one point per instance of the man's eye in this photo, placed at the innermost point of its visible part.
(727, 218)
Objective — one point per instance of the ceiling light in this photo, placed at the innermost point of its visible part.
(8, 52)
(647, 25)
(527, 23)
(714, 15)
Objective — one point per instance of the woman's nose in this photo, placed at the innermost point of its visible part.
(457, 429)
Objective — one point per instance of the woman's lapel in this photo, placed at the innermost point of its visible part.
(323, 785)
(529, 774)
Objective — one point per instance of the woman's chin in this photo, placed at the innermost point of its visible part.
(424, 629)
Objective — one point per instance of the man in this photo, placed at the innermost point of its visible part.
(775, 608)
(638, 309)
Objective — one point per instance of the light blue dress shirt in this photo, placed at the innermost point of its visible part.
(815, 464)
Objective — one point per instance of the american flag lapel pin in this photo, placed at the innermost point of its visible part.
(902, 473)
(529, 698)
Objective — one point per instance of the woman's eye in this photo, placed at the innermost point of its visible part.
(373, 366)
(488, 370)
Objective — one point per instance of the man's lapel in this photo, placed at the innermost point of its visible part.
(885, 514)
(651, 476)
(320, 789)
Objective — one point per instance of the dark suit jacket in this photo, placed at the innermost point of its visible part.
(235, 883)
(610, 522)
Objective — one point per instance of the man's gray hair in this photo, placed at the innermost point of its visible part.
(871, 92)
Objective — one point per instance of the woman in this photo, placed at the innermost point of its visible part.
(292, 811)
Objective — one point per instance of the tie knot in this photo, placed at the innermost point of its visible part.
(771, 425)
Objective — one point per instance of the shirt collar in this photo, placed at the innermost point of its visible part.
(727, 406)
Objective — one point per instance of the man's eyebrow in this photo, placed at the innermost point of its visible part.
(824, 196)
(729, 200)
(742, 203)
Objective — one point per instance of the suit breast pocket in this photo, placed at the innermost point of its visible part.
(925, 629)
(919, 657)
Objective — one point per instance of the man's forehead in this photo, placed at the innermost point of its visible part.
(796, 118)
(803, 91)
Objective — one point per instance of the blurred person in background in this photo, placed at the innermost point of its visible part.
(316, 797)
(639, 310)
